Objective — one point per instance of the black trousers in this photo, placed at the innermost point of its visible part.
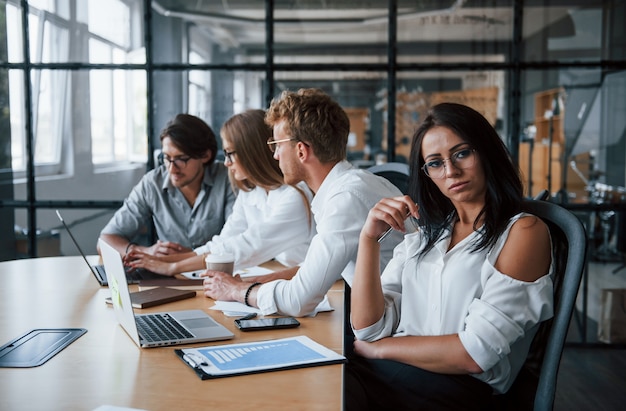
(379, 385)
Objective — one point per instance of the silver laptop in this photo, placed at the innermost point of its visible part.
(133, 276)
(156, 329)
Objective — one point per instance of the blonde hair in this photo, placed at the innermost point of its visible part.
(247, 134)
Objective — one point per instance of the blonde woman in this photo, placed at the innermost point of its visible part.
(270, 219)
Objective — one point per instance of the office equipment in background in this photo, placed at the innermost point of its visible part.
(157, 329)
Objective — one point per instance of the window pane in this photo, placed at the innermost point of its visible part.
(137, 113)
(101, 96)
(49, 39)
(118, 115)
(581, 112)
(49, 102)
(331, 32)
(14, 34)
(113, 22)
(110, 20)
(340, 32)
(557, 33)
(418, 91)
(228, 92)
(59, 7)
(200, 93)
(17, 119)
(227, 28)
(440, 33)
(50, 107)
(362, 95)
(6, 126)
(249, 90)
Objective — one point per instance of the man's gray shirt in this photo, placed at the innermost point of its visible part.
(174, 219)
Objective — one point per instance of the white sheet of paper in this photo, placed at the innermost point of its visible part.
(253, 271)
(246, 272)
(236, 309)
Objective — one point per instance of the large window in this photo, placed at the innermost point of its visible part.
(117, 104)
(48, 36)
(102, 33)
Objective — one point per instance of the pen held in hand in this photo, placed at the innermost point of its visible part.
(389, 230)
(385, 234)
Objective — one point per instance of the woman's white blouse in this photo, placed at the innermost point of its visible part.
(266, 225)
(458, 292)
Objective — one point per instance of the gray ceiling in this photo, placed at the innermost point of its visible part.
(241, 23)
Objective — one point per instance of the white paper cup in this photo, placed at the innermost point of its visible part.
(220, 262)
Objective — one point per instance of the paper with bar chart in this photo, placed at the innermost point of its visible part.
(248, 358)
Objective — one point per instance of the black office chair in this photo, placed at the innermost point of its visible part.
(543, 195)
(397, 173)
(535, 386)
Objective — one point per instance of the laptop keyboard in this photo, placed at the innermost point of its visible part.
(133, 274)
(160, 327)
(100, 270)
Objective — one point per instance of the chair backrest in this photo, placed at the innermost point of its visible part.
(396, 173)
(569, 243)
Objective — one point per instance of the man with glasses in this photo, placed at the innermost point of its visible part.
(310, 142)
(187, 198)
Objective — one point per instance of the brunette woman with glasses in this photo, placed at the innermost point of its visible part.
(464, 295)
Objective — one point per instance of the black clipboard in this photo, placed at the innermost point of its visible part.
(196, 365)
(37, 346)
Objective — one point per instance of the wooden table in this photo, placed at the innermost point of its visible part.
(105, 367)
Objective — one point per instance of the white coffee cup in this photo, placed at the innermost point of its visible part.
(220, 262)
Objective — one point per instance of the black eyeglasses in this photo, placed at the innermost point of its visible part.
(179, 162)
(228, 155)
(462, 159)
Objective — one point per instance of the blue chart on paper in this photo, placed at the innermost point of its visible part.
(260, 354)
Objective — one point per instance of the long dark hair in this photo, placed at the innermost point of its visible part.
(504, 186)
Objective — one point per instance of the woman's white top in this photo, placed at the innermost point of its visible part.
(266, 225)
(458, 292)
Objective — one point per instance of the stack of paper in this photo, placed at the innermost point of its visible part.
(237, 309)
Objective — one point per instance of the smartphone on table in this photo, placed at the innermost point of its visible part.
(266, 323)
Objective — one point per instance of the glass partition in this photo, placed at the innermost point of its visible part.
(556, 32)
(455, 32)
(362, 95)
(102, 78)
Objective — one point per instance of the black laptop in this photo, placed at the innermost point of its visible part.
(133, 275)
